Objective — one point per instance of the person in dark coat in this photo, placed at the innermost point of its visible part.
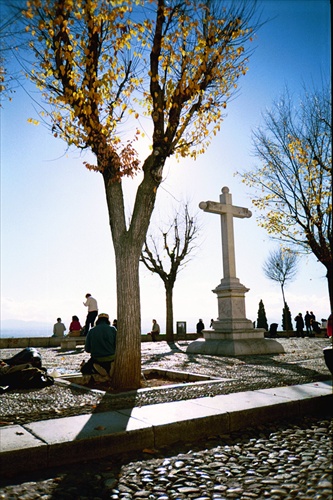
(307, 319)
(299, 325)
(200, 326)
(101, 344)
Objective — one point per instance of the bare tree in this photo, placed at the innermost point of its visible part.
(281, 266)
(294, 183)
(177, 244)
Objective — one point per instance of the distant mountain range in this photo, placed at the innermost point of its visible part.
(18, 324)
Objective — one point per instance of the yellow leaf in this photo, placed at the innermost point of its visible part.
(33, 121)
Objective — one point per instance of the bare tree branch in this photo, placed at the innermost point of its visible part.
(177, 243)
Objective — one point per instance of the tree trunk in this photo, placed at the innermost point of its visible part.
(286, 322)
(330, 284)
(127, 243)
(127, 372)
(169, 314)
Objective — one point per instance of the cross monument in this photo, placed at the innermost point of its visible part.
(232, 333)
(227, 211)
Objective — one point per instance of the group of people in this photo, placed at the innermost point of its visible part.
(100, 336)
(75, 328)
(309, 322)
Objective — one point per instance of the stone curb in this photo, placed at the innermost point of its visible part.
(55, 442)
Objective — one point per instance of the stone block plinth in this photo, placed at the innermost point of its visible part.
(235, 347)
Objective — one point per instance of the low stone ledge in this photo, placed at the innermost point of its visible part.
(22, 342)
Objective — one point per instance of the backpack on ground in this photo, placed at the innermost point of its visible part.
(28, 355)
(24, 376)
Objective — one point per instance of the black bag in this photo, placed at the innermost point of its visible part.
(23, 376)
(28, 355)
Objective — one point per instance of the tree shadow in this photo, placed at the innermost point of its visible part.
(272, 369)
(174, 349)
(273, 362)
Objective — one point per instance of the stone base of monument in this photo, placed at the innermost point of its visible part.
(240, 343)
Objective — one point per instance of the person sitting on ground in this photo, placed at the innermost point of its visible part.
(101, 344)
(58, 329)
(75, 327)
(154, 331)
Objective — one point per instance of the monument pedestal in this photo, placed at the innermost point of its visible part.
(234, 336)
(245, 345)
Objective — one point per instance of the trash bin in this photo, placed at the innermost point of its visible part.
(181, 330)
(273, 330)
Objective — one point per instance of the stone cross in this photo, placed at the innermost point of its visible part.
(227, 211)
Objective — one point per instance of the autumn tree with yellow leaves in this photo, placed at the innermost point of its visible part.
(294, 182)
(104, 66)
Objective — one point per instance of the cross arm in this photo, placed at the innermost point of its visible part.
(241, 212)
(215, 207)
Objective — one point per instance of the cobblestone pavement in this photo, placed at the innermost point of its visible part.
(302, 362)
(286, 460)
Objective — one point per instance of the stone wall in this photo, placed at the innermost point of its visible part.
(12, 343)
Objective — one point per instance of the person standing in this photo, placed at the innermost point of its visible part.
(101, 344)
(91, 303)
(299, 325)
(59, 328)
(312, 316)
(307, 319)
(155, 330)
(200, 327)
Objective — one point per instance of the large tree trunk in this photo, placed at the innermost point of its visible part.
(127, 372)
(169, 314)
(127, 243)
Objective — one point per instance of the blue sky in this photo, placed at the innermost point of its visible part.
(55, 238)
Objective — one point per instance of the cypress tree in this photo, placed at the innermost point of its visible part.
(262, 320)
(287, 324)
